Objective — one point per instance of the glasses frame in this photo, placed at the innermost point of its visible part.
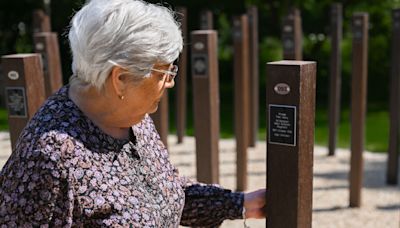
(170, 73)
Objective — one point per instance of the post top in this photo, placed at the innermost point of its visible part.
(208, 31)
(17, 56)
(291, 62)
(360, 14)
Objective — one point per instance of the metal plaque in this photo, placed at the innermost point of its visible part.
(16, 102)
(200, 65)
(282, 125)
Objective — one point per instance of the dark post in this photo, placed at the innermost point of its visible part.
(358, 103)
(206, 103)
(181, 79)
(41, 21)
(241, 97)
(24, 90)
(46, 44)
(335, 74)
(160, 118)
(254, 74)
(393, 153)
(206, 20)
(292, 36)
(290, 144)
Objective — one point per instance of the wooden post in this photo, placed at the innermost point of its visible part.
(160, 118)
(46, 44)
(292, 36)
(290, 144)
(206, 103)
(181, 80)
(335, 74)
(358, 103)
(24, 90)
(393, 153)
(41, 21)
(206, 20)
(254, 74)
(241, 97)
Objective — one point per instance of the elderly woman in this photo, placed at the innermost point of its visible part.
(91, 155)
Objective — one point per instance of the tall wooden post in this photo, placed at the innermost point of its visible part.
(335, 74)
(24, 90)
(290, 143)
(181, 80)
(160, 118)
(393, 153)
(358, 103)
(206, 20)
(252, 13)
(41, 21)
(46, 44)
(292, 36)
(206, 103)
(241, 97)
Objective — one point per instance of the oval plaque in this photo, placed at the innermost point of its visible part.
(39, 46)
(199, 46)
(13, 75)
(287, 28)
(358, 22)
(282, 88)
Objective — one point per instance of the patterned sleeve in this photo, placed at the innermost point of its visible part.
(33, 192)
(209, 205)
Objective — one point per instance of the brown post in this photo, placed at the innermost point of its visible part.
(335, 74)
(290, 143)
(292, 36)
(24, 90)
(206, 20)
(160, 118)
(241, 97)
(41, 21)
(206, 103)
(358, 103)
(254, 74)
(46, 44)
(393, 153)
(181, 79)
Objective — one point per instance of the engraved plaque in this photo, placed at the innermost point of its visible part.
(16, 102)
(13, 75)
(199, 65)
(288, 45)
(282, 125)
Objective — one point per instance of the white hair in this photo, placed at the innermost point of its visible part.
(132, 33)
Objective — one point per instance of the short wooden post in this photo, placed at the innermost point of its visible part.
(181, 80)
(24, 90)
(206, 103)
(290, 143)
(393, 153)
(41, 21)
(292, 36)
(161, 118)
(335, 75)
(252, 13)
(358, 103)
(46, 44)
(206, 20)
(241, 96)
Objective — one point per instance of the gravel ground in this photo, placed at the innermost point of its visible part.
(380, 203)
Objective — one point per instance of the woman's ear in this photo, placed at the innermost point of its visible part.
(117, 80)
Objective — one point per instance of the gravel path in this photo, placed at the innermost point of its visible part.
(380, 203)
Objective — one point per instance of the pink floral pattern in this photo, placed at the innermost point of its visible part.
(66, 172)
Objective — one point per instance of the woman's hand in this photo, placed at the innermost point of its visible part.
(254, 202)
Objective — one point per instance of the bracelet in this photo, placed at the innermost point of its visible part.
(244, 217)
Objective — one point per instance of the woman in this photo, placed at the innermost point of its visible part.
(91, 155)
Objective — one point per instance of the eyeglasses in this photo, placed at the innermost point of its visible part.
(171, 74)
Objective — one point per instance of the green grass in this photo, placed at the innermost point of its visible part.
(3, 119)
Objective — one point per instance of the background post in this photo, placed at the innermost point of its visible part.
(41, 21)
(358, 104)
(290, 143)
(206, 20)
(206, 104)
(24, 90)
(292, 36)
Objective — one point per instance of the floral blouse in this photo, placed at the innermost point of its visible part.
(66, 172)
